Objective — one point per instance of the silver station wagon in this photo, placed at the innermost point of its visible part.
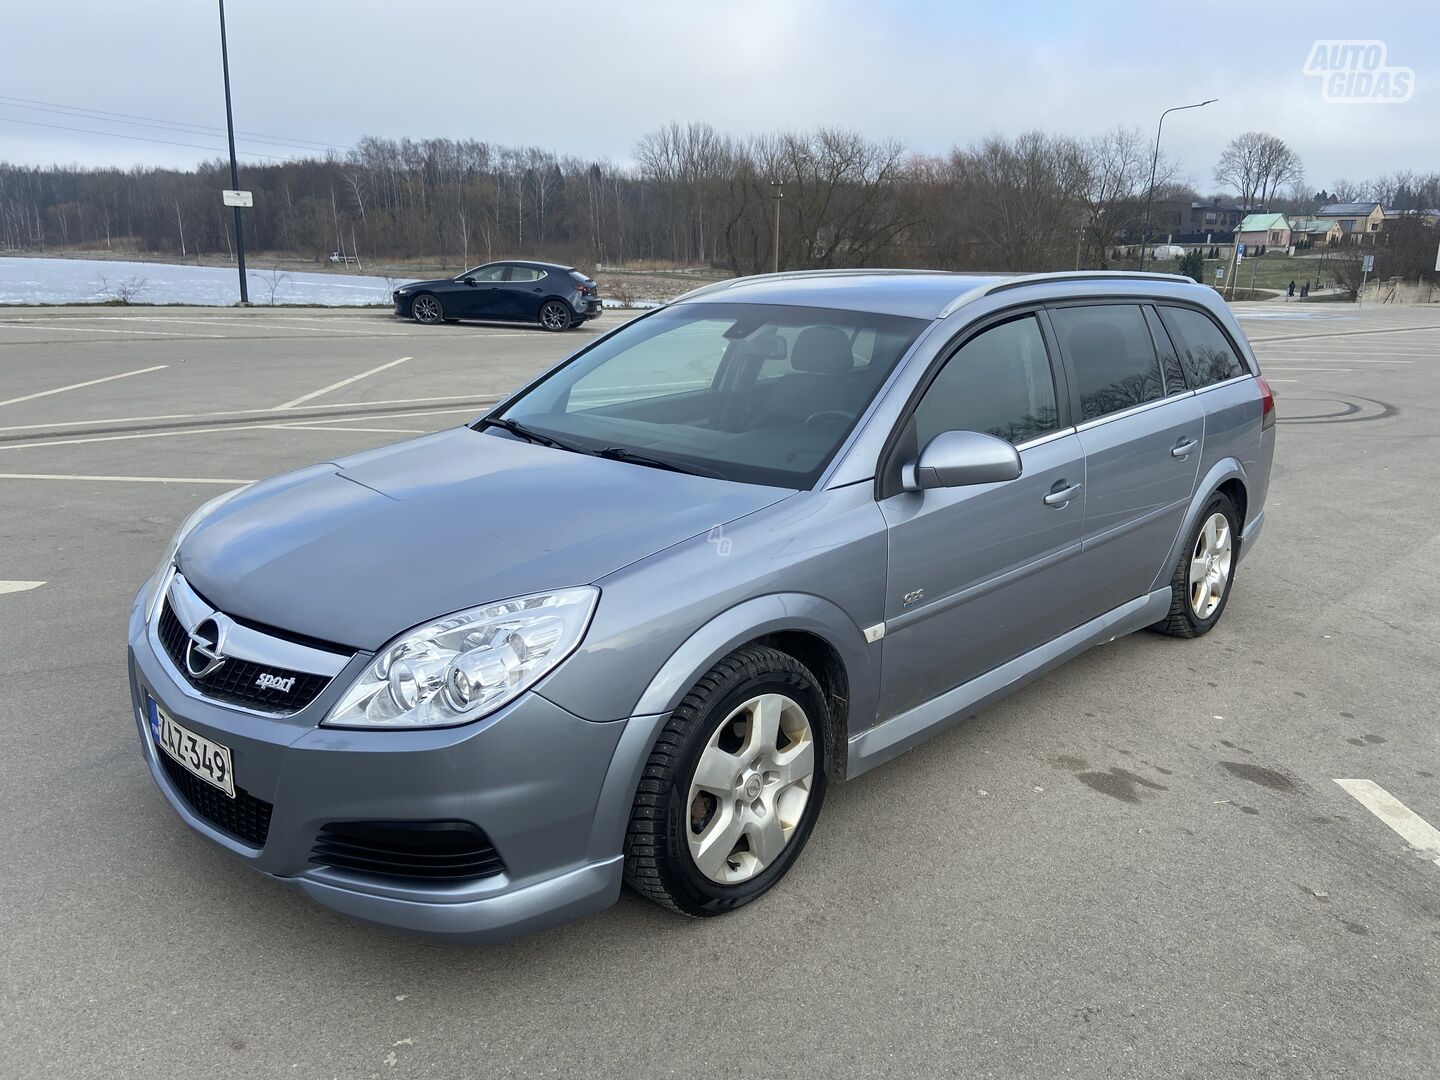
(626, 627)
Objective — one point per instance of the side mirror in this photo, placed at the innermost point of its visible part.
(468, 280)
(959, 459)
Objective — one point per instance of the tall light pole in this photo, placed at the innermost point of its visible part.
(777, 192)
(1155, 164)
(234, 168)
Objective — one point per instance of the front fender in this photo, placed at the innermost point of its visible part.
(755, 618)
(698, 654)
(1228, 468)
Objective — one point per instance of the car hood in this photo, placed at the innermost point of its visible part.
(363, 548)
(419, 286)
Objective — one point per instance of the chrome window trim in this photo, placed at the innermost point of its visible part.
(1041, 440)
(1224, 382)
(1133, 410)
(241, 643)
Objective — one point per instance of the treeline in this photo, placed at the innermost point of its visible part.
(694, 196)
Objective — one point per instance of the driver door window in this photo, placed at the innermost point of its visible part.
(487, 274)
(999, 383)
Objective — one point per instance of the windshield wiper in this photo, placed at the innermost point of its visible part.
(531, 435)
(619, 453)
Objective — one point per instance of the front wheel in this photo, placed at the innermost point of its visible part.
(732, 788)
(427, 309)
(555, 315)
(1200, 586)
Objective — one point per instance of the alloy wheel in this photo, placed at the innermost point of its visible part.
(1210, 564)
(750, 788)
(426, 309)
(553, 316)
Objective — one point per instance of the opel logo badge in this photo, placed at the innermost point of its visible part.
(202, 653)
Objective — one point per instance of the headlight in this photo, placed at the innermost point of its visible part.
(466, 665)
(152, 587)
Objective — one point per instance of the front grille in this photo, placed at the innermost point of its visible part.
(234, 682)
(433, 851)
(244, 817)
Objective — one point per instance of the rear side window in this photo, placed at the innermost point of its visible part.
(525, 273)
(1113, 356)
(1205, 351)
(998, 383)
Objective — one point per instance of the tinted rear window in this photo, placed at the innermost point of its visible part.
(1204, 350)
(1113, 355)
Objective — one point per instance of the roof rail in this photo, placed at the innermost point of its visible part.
(1019, 281)
(784, 275)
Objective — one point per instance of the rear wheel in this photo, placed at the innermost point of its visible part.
(732, 788)
(555, 315)
(1200, 586)
(427, 309)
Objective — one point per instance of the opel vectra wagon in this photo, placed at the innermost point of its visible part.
(628, 625)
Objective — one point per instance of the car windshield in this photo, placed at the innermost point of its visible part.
(757, 393)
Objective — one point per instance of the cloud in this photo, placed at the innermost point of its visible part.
(590, 80)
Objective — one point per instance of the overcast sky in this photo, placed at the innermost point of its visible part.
(589, 78)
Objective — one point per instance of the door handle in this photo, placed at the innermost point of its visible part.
(1060, 497)
(1183, 448)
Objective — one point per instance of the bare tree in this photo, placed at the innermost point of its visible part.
(1256, 165)
(1115, 184)
(272, 280)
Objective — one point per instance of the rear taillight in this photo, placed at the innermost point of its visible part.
(1267, 404)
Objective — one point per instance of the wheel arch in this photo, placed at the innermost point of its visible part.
(1226, 477)
(560, 299)
(794, 623)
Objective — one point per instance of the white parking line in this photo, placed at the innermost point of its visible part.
(125, 479)
(1417, 832)
(245, 412)
(79, 385)
(19, 586)
(343, 382)
(341, 427)
(213, 429)
(269, 326)
(27, 324)
(1338, 360)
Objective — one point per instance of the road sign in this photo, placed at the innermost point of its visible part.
(1367, 264)
(1219, 273)
(237, 198)
(1240, 249)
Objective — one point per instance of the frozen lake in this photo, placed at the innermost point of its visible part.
(71, 281)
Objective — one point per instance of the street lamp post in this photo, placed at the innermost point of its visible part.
(1155, 164)
(777, 192)
(234, 168)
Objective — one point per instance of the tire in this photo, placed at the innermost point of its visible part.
(1197, 604)
(555, 316)
(675, 815)
(427, 308)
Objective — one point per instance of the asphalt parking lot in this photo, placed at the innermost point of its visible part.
(1140, 866)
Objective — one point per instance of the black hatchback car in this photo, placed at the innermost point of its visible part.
(557, 297)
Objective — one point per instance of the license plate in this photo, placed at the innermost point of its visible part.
(208, 760)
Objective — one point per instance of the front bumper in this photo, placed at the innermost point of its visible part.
(402, 304)
(547, 787)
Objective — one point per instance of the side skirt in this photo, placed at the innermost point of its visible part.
(893, 737)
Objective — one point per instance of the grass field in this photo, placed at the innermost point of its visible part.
(1270, 272)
